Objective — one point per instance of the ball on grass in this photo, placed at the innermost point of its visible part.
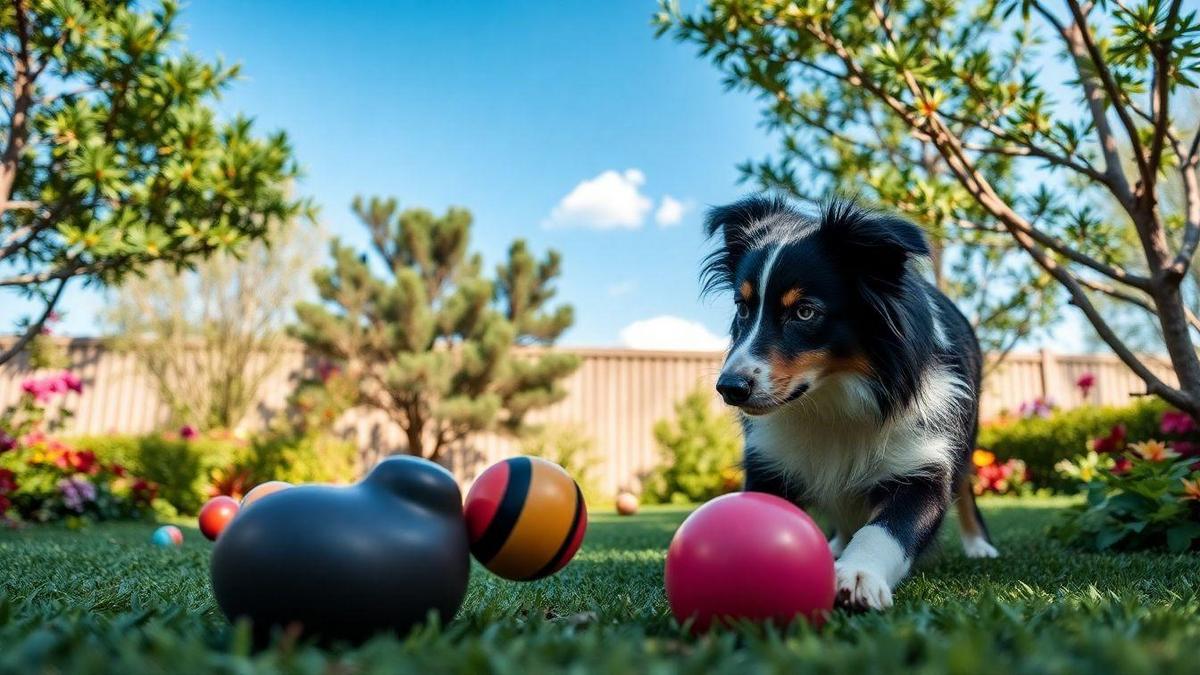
(525, 518)
(167, 536)
(262, 490)
(215, 515)
(749, 556)
(627, 504)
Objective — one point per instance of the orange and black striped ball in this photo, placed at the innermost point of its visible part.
(526, 518)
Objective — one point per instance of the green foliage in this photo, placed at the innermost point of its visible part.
(570, 448)
(1142, 503)
(47, 481)
(115, 157)
(183, 469)
(1041, 442)
(106, 601)
(943, 110)
(431, 342)
(309, 458)
(701, 451)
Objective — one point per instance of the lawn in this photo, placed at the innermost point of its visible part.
(104, 600)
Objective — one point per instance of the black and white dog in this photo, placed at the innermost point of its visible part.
(857, 381)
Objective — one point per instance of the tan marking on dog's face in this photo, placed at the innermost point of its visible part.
(857, 364)
(746, 290)
(816, 363)
(791, 297)
(785, 370)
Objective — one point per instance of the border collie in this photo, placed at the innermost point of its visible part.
(857, 381)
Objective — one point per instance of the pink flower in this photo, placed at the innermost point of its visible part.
(187, 432)
(1176, 422)
(71, 382)
(7, 442)
(1085, 383)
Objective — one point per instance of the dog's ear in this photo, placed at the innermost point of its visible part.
(739, 225)
(877, 245)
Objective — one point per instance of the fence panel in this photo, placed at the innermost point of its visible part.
(615, 398)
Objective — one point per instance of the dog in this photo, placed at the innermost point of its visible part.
(856, 380)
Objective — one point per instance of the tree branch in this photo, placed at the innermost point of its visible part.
(1110, 87)
(36, 327)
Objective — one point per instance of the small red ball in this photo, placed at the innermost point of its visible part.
(749, 556)
(216, 514)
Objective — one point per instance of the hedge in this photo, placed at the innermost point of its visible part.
(186, 470)
(1042, 441)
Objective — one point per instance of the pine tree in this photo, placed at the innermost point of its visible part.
(430, 342)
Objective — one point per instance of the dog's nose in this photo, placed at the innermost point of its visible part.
(735, 389)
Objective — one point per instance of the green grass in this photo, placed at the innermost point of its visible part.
(104, 600)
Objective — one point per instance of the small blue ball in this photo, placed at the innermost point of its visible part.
(167, 536)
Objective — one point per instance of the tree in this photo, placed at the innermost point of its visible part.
(430, 343)
(112, 158)
(210, 336)
(973, 82)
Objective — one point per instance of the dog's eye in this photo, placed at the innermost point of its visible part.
(743, 310)
(805, 313)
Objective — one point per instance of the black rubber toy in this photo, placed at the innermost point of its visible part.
(343, 563)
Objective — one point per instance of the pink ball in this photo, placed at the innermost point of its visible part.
(749, 556)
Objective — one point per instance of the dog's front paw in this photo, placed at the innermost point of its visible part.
(861, 589)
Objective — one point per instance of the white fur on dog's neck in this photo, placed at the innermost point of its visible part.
(832, 442)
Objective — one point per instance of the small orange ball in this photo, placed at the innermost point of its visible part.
(627, 504)
(216, 514)
(262, 490)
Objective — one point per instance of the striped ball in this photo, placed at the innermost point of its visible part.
(525, 517)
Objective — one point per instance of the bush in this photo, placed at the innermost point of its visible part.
(46, 481)
(574, 451)
(189, 471)
(305, 458)
(702, 450)
(182, 468)
(1042, 442)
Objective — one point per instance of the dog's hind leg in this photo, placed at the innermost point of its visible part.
(976, 541)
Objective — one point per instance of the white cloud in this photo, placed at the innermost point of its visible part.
(671, 333)
(611, 200)
(670, 211)
(621, 288)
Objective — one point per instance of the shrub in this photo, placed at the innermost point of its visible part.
(574, 451)
(307, 458)
(702, 449)
(190, 468)
(1041, 442)
(47, 481)
(183, 468)
(1147, 498)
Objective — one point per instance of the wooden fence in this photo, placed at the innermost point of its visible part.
(614, 398)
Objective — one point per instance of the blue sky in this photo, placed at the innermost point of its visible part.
(566, 123)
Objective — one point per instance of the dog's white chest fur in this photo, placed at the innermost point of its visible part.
(831, 442)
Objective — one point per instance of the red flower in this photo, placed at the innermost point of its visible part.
(1085, 383)
(4, 505)
(8, 481)
(144, 491)
(81, 461)
(7, 442)
(1175, 422)
(117, 470)
(188, 432)
(1122, 466)
(1113, 442)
